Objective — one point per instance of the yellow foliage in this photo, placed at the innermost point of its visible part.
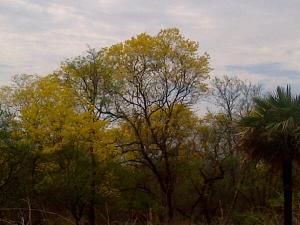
(51, 118)
(167, 54)
(174, 128)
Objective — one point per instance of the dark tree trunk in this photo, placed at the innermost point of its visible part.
(170, 206)
(288, 192)
(91, 213)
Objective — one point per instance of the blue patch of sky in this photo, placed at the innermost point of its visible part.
(268, 69)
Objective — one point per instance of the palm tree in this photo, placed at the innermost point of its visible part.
(271, 133)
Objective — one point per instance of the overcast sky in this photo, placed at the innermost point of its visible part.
(258, 40)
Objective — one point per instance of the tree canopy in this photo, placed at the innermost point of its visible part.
(113, 136)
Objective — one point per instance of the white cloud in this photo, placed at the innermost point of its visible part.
(36, 35)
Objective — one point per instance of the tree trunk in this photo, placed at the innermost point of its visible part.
(287, 189)
(170, 209)
(77, 221)
(91, 213)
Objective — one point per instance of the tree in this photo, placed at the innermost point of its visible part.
(233, 99)
(51, 121)
(66, 183)
(159, 174)
(271, 133)
(87, 76)
(233, 96)
(156, 77)
(13, 153)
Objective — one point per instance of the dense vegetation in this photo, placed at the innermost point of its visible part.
(114, 137)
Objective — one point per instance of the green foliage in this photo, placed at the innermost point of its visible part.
(248, 218)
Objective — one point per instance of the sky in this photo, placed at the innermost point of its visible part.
(257, 40)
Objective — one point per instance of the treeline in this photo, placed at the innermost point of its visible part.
(114, 137)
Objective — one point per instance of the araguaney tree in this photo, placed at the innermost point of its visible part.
(153, 75)
(52, 122)
(88, 77)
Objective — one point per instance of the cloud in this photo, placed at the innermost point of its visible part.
(36, 35)
(272, 70)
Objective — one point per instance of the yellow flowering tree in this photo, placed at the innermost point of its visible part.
(53, 122)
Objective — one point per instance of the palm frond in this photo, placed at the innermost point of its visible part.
(274, 118)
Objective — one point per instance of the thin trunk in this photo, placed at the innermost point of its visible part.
(288, 192)
(91, 213)
(169, 192)
(170, 206)
(77, 214)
